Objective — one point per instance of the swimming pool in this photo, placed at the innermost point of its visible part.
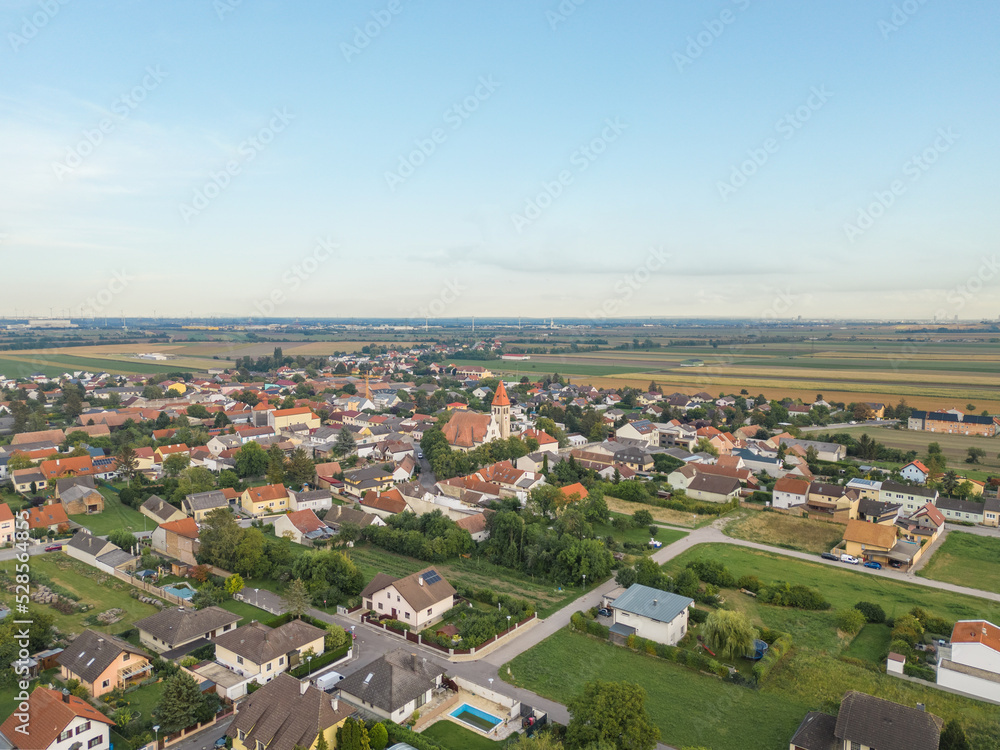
(472, 716)
(183, 590)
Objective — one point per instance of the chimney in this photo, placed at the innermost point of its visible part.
(65, 695)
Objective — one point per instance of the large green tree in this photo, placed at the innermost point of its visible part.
(613, 713)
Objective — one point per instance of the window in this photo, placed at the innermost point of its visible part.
(239, 659)
(94, 742)
(83, 727)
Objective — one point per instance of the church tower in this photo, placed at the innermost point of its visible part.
(501, 410)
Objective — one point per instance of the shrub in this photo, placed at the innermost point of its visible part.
(850, 621)
(872, 612)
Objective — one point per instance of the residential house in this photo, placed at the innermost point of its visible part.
(56, 721)
(394, 685)
(160, 510)
(286, 714)
(181, 629)
(789, 491)
(650, 613)
(915, 471)
(200, 504)
(971, 664)
(79, 500)
(419, 599)
(868, 723)
(302, 527)
(713, 489)
(271, 498)
(102, 662)
(178, 540)
(51, 517)
(911, 497)
(314, 500)
(263, 652)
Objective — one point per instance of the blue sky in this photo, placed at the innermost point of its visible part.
(471, 158)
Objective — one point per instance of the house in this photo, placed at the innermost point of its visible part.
(178, 540)
(286, 714)
(954, 509)
(302, 527)
(419, 599)
(314, 500)
(102, 662)
(865, 723)
(915, 471)
(99, 553)
(476, 525)
(283, 419)
(200, 504)
(56, 721)
(7, 525)
(912, 498)
(160, 510)
(650, 613)
(832, 502)
(263, 652)
(789, 491)
(183, 628)
(52, 517)
(973, 664)
(869, 541)
(338, 515)
(394, 685)
(271, 498)
(713, 489)
(79, 500)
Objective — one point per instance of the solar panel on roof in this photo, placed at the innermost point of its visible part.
(431, 576)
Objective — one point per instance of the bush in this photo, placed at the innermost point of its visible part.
(872, 612)
(850, 621)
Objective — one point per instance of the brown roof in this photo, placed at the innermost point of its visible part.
(466, 429)
(418, 593)
(260, 643)
(48, 717)
(280, 716)
(870, 534)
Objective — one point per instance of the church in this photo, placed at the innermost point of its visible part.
(467, 430)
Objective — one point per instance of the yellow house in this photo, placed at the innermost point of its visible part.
(271, 498)
(264, 652)
(102, 662)
(286, 714)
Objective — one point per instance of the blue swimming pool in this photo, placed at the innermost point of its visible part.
(472, 716)
(183, 590)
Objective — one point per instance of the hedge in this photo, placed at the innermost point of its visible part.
(775, 651)
(320, 661)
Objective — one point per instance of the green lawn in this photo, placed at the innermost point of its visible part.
(116, 515)
(92, 586)
(961, 554)
(688, 707)
(871, 644)
(451, 736)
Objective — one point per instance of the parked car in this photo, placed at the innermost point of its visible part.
(829, 556)
(604, 612)
(873, 565)
(850, 559)
(53, 548)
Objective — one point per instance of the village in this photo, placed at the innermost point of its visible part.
(379, 549)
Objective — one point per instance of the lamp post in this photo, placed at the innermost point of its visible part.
(156, 730)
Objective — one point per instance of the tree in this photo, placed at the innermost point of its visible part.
(127, 463)
(345, 442)
(729, 633)
(175, 463)
(378, 736)
(297, 599)
(124, 539)
(234, 584)
(974, 455)
(613, 713)
(352, 735)
(953, 737)
(180, 703)
(251, 460)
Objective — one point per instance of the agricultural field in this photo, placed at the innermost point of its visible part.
(954, 447)
(789, 532)
(962, 555)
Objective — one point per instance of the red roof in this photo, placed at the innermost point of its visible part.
(500, 397)
(48, 716)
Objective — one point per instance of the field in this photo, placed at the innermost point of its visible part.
(954, 447)
(115, 515)
(966, 559)
(779, 530)
(93, 587)
(451, 736)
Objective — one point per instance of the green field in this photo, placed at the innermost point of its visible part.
(689, 708)
(967, 560)
(871, 644)
(451, 736)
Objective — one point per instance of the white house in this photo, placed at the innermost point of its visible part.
(56, 721)
(974, 663)
(650, 613)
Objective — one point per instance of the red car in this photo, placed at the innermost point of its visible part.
(53, 548)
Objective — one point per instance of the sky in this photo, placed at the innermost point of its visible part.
(439, 159)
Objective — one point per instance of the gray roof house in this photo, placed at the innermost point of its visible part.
(650, 613)
(393, 685)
